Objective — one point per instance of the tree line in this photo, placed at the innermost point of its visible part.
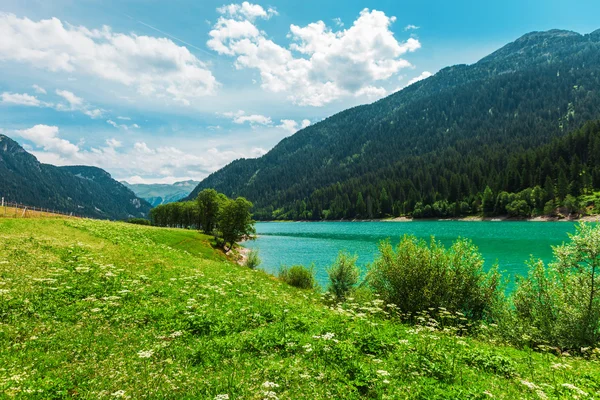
(561, 176)
(228, 220)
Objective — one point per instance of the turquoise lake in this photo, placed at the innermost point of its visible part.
(508, 243)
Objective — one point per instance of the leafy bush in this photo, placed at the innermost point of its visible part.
(298, 276)
(418, 277)
(343, 275)
(138, 221)
(560, 305)
(253, 260)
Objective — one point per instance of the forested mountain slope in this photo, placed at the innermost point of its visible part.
(86, 191)
(375, 160)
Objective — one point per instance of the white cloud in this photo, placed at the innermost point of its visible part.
(114, 143)
(371, 92)
(321, 65)
(47, 137)
(338, 21)
(124, 118)
(23, 99)
(240, 117)
(153, 66)
(292, 126)
(411, 27)
(246, 11)
(424, 75)
(39, 89)
(75, 103)
(122, 126)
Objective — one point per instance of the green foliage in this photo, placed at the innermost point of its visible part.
(213, 213)
(253, 260)
(298, 276)
(559, 305)
(209, 204)
(139, 221)
(343, 276)
(235, 221)
(417, 277)
(518, 208)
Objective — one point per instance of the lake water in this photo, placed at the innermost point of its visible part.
(508, 243)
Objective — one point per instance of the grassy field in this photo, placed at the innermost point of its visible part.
(93, 309)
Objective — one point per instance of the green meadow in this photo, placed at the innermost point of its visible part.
(94, 309)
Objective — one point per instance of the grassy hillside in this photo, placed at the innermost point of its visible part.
(93, 309)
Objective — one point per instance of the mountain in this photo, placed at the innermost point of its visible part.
(87, 191)
(444, 138)
(157, 194)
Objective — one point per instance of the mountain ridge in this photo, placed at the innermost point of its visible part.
(524, 94)
(82, 190)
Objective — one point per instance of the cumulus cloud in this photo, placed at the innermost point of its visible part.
(21, 99)
(424, 75)
(114, 143)
(139, 158)
(76, 103)
(240, 117)
(153, 66)
(321, 65)
(292, 126)
(39, 89)
(246, 10)
(411, 27)
(371, 92)
(47, 137)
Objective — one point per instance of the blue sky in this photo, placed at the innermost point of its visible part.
(157, 91)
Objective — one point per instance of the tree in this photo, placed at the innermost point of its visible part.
(235, 221)
(562, 302)
(488, 201)
(208, 209)
(361, 207)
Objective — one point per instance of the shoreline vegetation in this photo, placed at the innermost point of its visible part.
(98, 309)
(585, 218)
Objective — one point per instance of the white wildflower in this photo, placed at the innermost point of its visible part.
(530, 385)
(268, 384)
(574, 388)
(118, 393)
(145, 353)
(222, 397)
(96, 310)
(382, 372)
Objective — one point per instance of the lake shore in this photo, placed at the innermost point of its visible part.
(471, 218)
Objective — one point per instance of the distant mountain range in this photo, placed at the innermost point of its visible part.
(86, 191)
(157, 194)
(443, 139)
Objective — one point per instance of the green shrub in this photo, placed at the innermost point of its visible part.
(418, 277)
(298, 276)
(559, 305)
(343, 275)
(138, 221)
(253, 260)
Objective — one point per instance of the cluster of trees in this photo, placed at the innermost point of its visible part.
(562, 175)
(228, 220)
(444, 139)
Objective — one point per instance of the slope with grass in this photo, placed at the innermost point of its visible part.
(94, 309)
